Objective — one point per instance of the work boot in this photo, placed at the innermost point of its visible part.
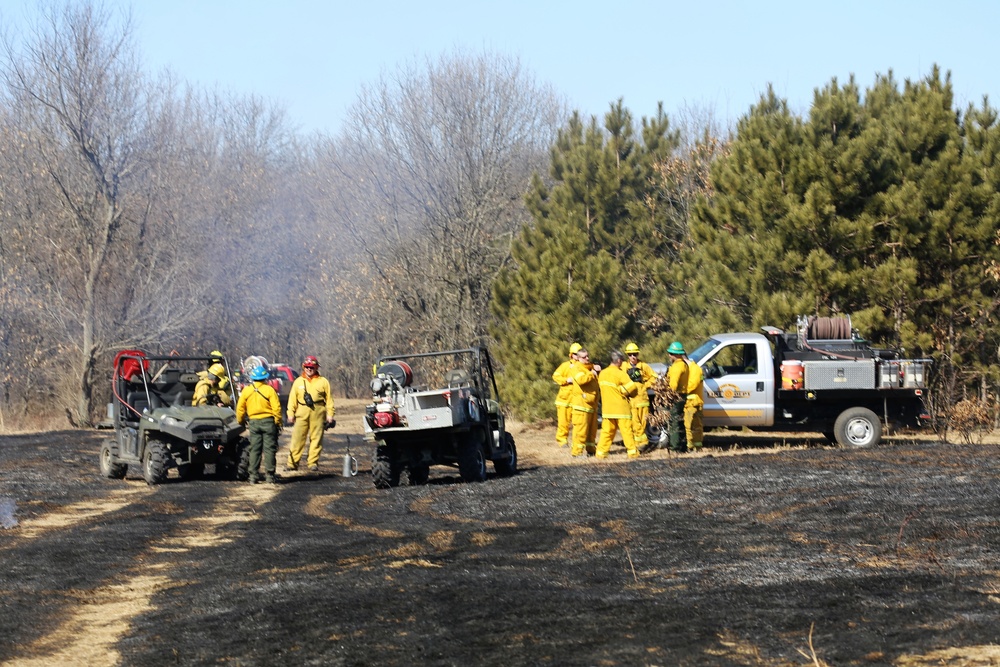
(271, 478)
(253, 479)
(314, 468)
(696, 446)
(591, 450)
(290, 467)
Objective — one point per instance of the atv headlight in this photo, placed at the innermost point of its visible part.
(170, 421)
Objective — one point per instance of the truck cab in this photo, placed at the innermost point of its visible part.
(739, 379)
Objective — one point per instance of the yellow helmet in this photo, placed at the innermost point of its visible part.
(218, 370)
(574, 348)
(631, 348)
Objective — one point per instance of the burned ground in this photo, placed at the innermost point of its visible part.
(782, 556)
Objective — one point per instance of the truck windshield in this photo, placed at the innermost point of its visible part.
(703, 349)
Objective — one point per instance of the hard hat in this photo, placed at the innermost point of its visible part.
(215, 354)
(676, 348)
(258, 373)
(218, 370)
(574, 348)
(631, 348)
(310, 362)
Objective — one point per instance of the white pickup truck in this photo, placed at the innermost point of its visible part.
(840, 387)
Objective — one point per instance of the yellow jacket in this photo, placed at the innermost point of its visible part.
(616, 389)
(585, 387)
(695, 385)
(648, 378)
(677, 376)
(258, 401)
(563, 377)
(204, 389)
(319, 389)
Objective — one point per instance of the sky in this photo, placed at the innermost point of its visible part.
(312, 57)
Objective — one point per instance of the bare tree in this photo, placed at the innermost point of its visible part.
(428, 182)
(85, 213)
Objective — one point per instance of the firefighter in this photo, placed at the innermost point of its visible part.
(215, 358)
(564, 410)
(259, 409)
(694, 405)
(616, 390)
(677, 379)
(209, 391)
(584, 404)
(310, 411)
(643, 374)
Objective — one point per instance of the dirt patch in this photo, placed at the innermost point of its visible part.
(761, 550)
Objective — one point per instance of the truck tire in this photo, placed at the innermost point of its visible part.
(110, 466)
(857, 428)
(506, 466)
(385, 471)
(155, 462)
(471, 462)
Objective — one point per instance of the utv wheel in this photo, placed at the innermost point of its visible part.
(507, 465)
(857, 428)
(243, 460)
(155, 462)
(472, 462)
(419, 474)
(191, 471)
(385, 473)
(110, 466)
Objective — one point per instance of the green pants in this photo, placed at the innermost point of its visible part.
(263, 437)
(678, 440)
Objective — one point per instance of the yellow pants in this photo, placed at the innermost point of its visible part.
(609, 426)
(564, 418)
(639, 416)
(584, 432)
(693, 424)
(307, 423)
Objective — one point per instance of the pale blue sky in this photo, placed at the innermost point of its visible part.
(312, 57)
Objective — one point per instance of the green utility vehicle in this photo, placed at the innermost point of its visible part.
(157, 428)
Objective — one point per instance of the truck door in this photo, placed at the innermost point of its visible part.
(739, 384)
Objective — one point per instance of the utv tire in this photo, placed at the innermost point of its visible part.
(190, 471)
(155, 462)
(507, 466)
(243, 460)
(471, 462)
(110, 466)
(419, 474)
(385, 471)
(857, 428)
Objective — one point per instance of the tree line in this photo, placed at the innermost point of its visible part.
(463, 202)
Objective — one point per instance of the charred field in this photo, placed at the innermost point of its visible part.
(772, 552)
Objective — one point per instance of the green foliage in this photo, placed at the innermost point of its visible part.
(581, 261)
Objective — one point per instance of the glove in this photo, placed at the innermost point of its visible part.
(281, 426)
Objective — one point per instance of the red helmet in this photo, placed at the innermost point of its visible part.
(310, 362)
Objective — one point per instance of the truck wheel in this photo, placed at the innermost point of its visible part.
(507, 465)
(154, 462)
(385, 474)
(857, 428)
(471, 462)
(110, 467)
(191, 471)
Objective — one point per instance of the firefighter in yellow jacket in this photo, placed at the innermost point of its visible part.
(260, 410)
(643, 374)
(694, 405)
(209, 391)
(564, 410)
(584, 402)
(677, 378)
(616, 390)
(310, 411)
